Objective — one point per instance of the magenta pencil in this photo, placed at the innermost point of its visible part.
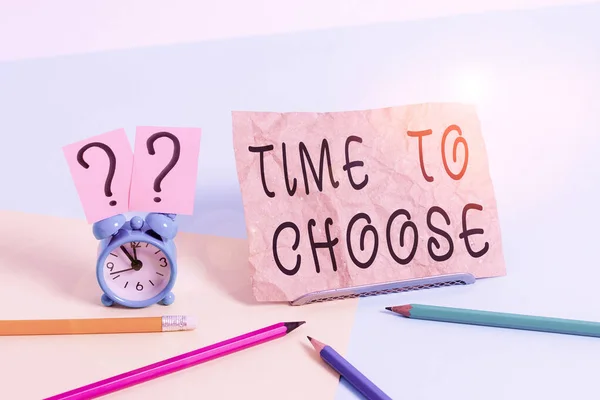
(179, 362)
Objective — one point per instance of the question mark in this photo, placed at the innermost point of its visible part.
(111, 168)
(171, 164)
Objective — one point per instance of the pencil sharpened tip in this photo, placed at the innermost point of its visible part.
(402, 310)
(290, 326)
(316, 344)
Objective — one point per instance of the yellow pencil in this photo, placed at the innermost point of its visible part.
(167, 323)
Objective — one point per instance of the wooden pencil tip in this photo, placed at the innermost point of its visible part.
(402, 310)
(316, 344)
(290, 326)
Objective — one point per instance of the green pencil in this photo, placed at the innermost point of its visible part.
(498, 319)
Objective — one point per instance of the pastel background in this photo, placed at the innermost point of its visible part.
(71, 70)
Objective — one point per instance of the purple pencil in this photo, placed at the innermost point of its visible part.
(347, 371)
(179, 362)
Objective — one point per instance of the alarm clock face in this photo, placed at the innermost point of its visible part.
(136, 271)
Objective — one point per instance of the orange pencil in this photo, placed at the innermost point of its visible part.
(167, 323)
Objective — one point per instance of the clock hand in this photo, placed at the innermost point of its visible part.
(134, 253)
(123, 270)
(128, 255)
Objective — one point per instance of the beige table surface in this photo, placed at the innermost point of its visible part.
(47, 271)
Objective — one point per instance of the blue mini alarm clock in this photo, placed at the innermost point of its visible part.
(136, 259)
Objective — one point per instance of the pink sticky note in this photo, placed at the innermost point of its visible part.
(165, 166)
(343, 199)
(101, 169)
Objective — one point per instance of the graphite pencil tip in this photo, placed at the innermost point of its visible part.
(402, 310)
(290, 326)
(316, 344)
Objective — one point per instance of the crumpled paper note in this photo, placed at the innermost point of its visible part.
(342, 199)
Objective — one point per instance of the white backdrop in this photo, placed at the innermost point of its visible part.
(41, 28)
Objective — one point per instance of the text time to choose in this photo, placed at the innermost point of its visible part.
(401, 227)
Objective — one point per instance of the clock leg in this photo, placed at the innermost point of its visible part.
(168, 300)
(107, 301)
